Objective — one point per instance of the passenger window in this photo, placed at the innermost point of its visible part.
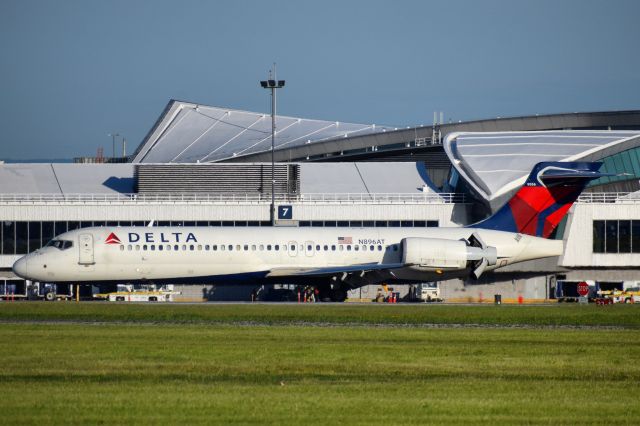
(261, 247)
(137, 247)
(372, 248)
(238, 247)
(276, 247)
(317, 248)
(356, 247)
(341, 247)
(144, 247)
(326, 248)
(379, 248)
(176, 247)
(269, 247)
(129, 247)
(364, 248)
(309, 247)
(348, 247)
(191, 247)
(153, 247)
(293, 247)
(199, 247)
(168, 247)
(333, 248)
(222, 246)
(121, 248)
(184, 247)
(230, 247)
(246, 247)
(160, 247)
(253, 247)
(214, 247)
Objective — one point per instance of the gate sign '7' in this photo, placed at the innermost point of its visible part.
(285, 212)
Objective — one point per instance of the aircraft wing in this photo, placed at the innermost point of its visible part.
(332, 270)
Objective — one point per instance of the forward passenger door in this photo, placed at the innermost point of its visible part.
(86, 249)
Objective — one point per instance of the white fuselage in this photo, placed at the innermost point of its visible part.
(211, 254)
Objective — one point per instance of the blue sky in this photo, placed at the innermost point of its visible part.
(73, 71)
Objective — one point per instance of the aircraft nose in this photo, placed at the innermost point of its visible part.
(20, 267)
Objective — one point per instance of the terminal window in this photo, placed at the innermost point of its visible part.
(616, 236)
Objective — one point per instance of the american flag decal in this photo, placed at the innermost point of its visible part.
(112, 239)
(345, 240)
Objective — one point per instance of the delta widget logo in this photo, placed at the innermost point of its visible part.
(112, 239)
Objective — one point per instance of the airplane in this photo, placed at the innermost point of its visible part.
(334, 260)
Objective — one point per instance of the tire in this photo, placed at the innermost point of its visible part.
(50, 296)
(627, 300)
(119, 298)
(153, 299)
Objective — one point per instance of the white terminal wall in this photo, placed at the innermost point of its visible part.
(328, 178)
(579, 235)
(63, 178)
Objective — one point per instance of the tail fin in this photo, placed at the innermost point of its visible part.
(545, 198)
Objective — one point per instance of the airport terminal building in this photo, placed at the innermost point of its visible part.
(209, 166)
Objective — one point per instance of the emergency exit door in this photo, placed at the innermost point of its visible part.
(86, 249)
(293, 248)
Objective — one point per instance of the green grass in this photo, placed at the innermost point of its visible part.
(201, 365)
(623, 316)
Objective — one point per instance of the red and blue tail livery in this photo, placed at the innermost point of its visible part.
(545, 198)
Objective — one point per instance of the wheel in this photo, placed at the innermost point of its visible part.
(50, 296)
(627, 300)
(153, 299)
(119, 298)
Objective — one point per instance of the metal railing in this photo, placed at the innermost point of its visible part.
(230, 198)
(310, 198)
(609, 197)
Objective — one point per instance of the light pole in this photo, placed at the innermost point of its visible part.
(113, 142)
(273, 84)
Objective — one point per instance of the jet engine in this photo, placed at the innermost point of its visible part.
(429, 254)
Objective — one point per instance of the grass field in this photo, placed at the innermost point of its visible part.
(275, 364)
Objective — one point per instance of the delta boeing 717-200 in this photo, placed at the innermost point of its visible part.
(332, 259)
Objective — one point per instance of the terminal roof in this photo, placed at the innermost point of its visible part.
(190, 133)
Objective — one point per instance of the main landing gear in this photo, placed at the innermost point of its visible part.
(335, 293)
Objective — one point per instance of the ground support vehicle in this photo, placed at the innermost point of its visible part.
(21, 289)
(426, 292)
(631, 295)
(13, 289)
(139, 293)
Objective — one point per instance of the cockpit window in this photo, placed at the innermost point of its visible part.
(60, 244)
